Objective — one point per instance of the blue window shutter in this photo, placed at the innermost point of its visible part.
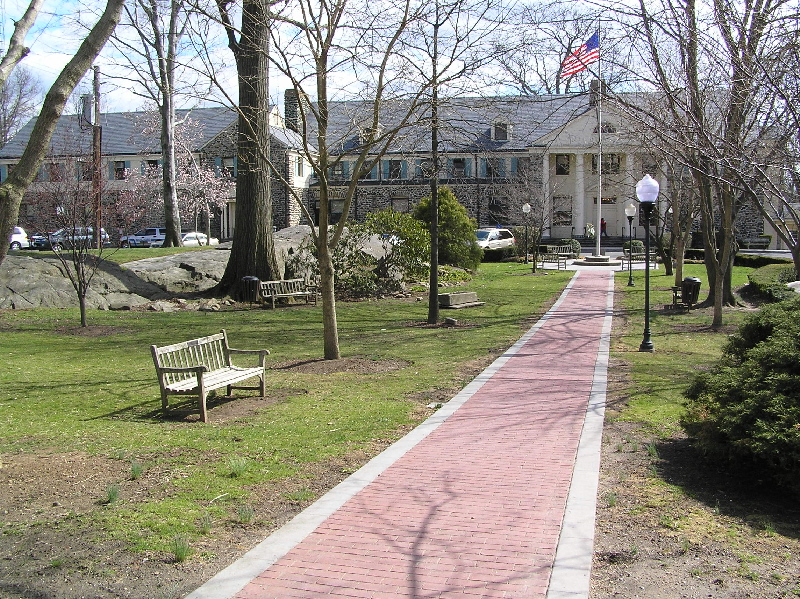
(468, 168)
(3, 172)
(418, 168)
(373, 174)
(218, 165)
(345, 170)
(449, 167)
(111, 170)
(404, 169)
(514, 165)
(483, 167)
(501, 167)
(385, 170)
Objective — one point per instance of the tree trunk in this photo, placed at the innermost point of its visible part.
(13, 188)
(329, 321)
(253, 251)
(172, 216)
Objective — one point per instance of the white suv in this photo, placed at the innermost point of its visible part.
(144, 238)
(495, 239)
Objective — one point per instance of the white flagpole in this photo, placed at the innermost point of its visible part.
(598, 227)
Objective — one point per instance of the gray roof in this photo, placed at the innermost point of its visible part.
(465, 123)
(122, 133)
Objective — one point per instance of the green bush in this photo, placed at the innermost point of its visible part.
(770, 281)
(573, 243)
(357, 273)
(746, 410)
(638, 246)
(458, 245)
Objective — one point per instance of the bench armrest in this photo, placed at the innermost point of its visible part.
(262, 353)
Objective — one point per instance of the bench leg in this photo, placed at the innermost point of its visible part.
(201, 396)
(164, 401)
(263, 379)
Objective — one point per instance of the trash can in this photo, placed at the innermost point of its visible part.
(690, 290)
(249, 288)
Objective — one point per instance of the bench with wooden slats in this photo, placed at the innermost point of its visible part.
(272, 290)
(556, 254)
(199, 366)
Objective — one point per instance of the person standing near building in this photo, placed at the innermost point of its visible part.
(603, 231)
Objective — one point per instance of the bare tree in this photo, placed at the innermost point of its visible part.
(703, 59)
(159, 26)
(20, 96)
(65, 205)
(13, 188)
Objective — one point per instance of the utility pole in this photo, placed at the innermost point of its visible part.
(97, 135)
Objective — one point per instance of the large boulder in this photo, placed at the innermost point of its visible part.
(41, 281)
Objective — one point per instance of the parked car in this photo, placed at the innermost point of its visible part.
(195, 239)
(144, 238)
(69, 238)
(19, 239)
(495, 239)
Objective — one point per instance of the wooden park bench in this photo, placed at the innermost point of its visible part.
(271, 290)
(201, 365)
(634, 257)
(556, 254)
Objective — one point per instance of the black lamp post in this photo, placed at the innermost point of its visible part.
(630, 212)
(526, 210)
(647, 192)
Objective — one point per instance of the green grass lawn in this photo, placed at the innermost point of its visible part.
(683, 343)
(64, 392)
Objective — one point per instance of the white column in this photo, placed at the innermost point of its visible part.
(579, 197)
(546, 191)
(630, 190)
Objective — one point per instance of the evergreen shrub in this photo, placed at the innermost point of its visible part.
(746, 409)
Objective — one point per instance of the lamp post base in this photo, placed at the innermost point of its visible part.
(647, 345)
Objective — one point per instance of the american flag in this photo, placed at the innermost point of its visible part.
(582, 57)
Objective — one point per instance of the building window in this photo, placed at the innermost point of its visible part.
(85, 171)
(524, 166)
(562, 211)
(226, 167)
(495, 167)
(459, 167)
(501, 132)
(610, 164)
(562, 164)
(400, 204)
(120, 172)
(395, 169)
(607, 201)
(337, 170)
(298, 169)
(498, 211)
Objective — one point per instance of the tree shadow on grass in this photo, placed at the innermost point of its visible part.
(740, 492)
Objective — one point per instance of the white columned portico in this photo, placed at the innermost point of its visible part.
(579, 201)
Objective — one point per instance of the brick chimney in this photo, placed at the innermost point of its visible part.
(596, 87)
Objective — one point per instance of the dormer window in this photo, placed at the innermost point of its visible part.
(501, 131)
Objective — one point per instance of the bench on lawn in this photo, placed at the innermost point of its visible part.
(272, 290)
(201, 365)
(556, 254)
(634, 257)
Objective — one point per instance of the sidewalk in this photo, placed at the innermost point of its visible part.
(493, 496)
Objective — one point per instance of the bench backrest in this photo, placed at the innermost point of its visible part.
(282, 287)
(211, 351)
(559, 249)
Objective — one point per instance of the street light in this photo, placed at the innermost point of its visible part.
(630, 212)
(647, 192)
(526, 210)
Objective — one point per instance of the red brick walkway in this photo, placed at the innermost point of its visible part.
(475, 508)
